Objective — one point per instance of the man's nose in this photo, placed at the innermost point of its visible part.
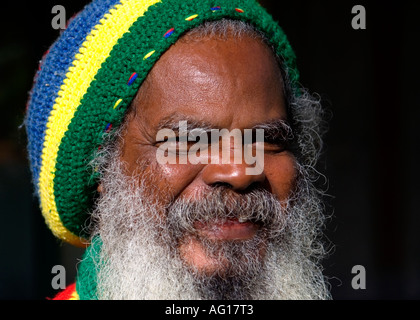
(233, 175)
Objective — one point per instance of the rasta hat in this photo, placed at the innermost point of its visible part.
(89, 77)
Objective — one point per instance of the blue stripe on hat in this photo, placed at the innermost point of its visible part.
(53, 70)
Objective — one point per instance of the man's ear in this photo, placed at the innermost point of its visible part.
(100, 189)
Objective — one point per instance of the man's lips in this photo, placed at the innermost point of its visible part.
(230, 229)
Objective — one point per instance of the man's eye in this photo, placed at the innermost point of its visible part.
(274, 146)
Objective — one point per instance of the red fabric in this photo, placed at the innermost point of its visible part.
(66, 293)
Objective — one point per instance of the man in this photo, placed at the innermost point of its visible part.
(119, 166)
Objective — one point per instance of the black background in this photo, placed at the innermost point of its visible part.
(368, 81)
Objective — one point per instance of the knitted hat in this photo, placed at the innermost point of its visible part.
(89, 77)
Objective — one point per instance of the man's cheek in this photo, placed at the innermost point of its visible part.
(281, 173)
(178, 180)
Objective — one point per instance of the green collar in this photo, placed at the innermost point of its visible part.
(86, 281)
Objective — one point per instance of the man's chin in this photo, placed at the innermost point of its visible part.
(209, 256)
(227, 230)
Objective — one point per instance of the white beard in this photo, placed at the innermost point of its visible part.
(140, 256)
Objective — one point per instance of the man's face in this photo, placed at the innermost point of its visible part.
(208, 229)
(223, 84)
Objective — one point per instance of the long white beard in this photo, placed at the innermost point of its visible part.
(140, 256)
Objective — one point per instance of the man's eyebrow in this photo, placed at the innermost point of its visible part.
(276, 129)
(172, 122)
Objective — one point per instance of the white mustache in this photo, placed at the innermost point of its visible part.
(220, 204)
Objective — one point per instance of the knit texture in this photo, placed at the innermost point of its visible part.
(85, 287)
(89, 78)
(52, 71)
(86, 282)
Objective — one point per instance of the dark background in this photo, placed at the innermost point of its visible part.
(366, 78)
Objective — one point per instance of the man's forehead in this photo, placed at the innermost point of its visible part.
(214, 81)
(215, 57)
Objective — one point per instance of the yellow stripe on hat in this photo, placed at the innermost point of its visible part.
(92, 54)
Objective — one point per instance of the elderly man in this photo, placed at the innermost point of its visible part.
(120, 124)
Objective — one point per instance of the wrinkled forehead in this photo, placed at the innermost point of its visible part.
(230, 80)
